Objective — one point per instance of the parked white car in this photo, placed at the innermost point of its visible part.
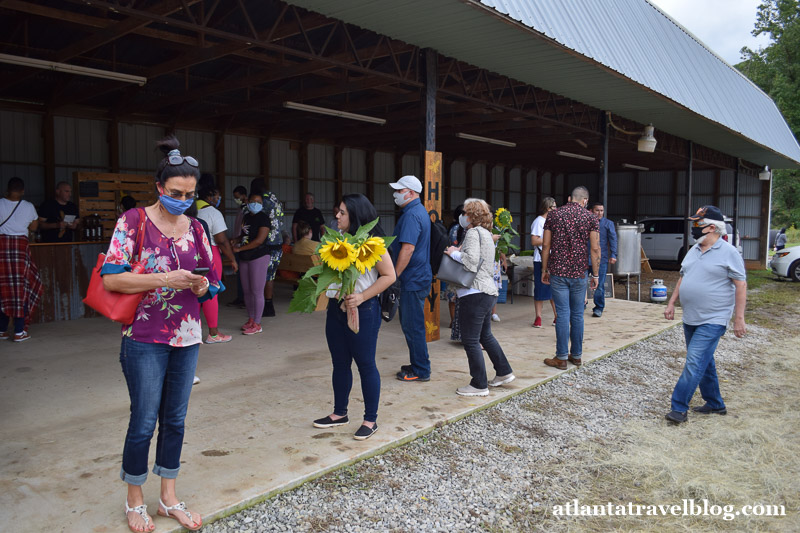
(786, 263)
(662, 238)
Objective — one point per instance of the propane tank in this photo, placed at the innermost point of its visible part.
(658, 291)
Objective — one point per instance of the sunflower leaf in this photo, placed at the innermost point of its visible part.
(327, 277)
(316, 270)
(387, 241)
(364, 230)
(304, 299)
(331, 233)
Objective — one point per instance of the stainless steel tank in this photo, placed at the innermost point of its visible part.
(629, 245)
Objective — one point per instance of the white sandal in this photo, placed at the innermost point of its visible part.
(180, 506)
(141, 510)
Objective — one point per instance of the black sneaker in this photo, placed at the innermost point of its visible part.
(676, 417)
(706, 410)
(269, 309)
(365, 432)
(406, 368)
(328, 422)
(410, 375)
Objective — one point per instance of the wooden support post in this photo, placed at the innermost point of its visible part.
(48, 134)
(370, 164)
(603, 174)
(219, 156)
(432, 190)
(523, 185)
(303, 183)
(113, 145)
(736, 179)
(636, 179)
(263, 153)
(339, 174)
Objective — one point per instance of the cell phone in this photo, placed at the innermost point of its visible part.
(201, 271)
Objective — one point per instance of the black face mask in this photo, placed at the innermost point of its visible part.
(697, 232)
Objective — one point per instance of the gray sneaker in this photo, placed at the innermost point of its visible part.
(469, 390)
(502, 380)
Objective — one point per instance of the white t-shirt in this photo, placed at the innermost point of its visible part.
(23, 216)
(214, 219)
(537, 228)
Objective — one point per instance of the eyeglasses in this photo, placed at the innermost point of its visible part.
(176, 160)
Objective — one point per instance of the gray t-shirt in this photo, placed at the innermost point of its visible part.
(707, 292)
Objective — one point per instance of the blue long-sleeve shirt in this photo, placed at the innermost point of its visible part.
(608, 241)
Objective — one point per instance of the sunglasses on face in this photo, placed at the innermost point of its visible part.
(176, 160)
(178, 195)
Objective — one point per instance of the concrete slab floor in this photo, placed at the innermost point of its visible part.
(64, 409)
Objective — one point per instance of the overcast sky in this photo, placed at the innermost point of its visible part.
(723, 25)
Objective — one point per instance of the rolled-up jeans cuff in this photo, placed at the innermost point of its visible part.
(166, 473)
(562, 357)
(132, 480)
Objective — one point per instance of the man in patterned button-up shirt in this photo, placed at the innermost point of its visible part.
(567, 232)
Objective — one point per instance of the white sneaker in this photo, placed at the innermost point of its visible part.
(502, 380)
(196, 380)
(469, 390)
(495, 318)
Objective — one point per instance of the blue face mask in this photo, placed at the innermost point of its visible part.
(173, 206)
(255, 207)
(218, 201)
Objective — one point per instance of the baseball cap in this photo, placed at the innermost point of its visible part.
(408, 182)
(710, 212)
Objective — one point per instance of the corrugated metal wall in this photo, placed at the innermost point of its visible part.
(22, 153)
(82, 144)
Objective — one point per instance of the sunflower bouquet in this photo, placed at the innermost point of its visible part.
(343, 258)
(502, 227)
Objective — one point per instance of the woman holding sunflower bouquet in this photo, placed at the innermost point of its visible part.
(349, 341)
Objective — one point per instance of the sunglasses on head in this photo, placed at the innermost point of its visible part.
(176, 160)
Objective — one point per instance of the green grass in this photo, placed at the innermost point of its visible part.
(770, 301)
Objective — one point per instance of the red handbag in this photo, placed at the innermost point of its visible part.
(117, 306)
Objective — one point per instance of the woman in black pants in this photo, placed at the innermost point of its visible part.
(347, 346)
(476, 302)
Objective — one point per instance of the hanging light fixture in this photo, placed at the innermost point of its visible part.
(765, 174)
(647, 142)
(489, 140)
(575, 156)
(333, 112)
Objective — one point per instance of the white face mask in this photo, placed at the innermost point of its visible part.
(399, 198)
(463, 221)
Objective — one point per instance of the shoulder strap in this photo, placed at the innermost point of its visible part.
(140, 232)
(12, 213)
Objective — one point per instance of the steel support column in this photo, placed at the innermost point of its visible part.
(689, 183)
(603, 176)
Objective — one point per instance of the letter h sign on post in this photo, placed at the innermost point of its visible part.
(433, 203)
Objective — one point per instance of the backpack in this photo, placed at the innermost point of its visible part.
(440, 240)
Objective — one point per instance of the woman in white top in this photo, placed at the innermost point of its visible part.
(345, 345)
(477, 301)
(207, 210)
(20, 285)
(541, 291)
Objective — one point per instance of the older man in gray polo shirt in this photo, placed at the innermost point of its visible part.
(712, 287)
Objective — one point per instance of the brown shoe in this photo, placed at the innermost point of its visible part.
(556, 363)
(575, 361)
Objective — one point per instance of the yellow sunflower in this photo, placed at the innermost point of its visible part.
(503, 218)
(338, 255)
(369, 253)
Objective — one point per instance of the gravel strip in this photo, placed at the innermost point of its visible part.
(475, 474)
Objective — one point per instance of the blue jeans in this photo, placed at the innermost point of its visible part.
(345, 347)
(701, 343)
(600, 294)
(159, 378)
(475, 321)
(412, 321)
(568, 295)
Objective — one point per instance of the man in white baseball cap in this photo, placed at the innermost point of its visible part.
(411, 254)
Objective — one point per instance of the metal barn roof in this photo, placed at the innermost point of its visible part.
(624, 56)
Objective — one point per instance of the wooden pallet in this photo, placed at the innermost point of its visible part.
(110, 190)
(645, 262)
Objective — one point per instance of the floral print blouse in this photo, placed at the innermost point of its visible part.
(164, 316)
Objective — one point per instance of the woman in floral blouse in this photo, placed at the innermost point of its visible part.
(159, 349)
